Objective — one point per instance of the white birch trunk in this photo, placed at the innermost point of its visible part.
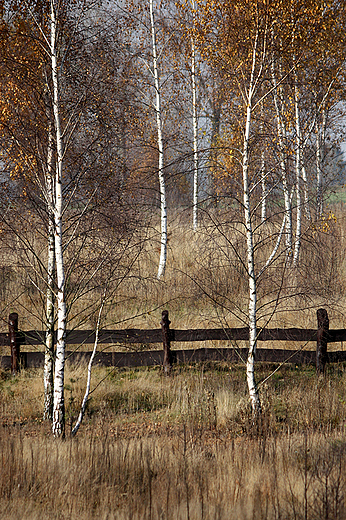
(285, 187)
(59, 402)
(250, 365)
(306, 192)
(297, 165)
(319, 203)
(49, 346)
(264, 190)
(320, 138)
(263, 180)
(195, 136)
(275, 249)
(87, 389)
(162, 183)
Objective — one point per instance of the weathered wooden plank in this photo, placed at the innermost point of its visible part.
(291, 334)
(78, 337)
(146, 337)
(335, 335)
(209, 334)
(155, 357)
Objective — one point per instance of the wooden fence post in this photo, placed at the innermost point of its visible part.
(322, 340)
(14, 342)
(167, 354)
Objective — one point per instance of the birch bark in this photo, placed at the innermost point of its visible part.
(263, 179)
(162, 183)
(252, 309)
(305, 191)
(298, 168)
(49, 346)
(195, 136)
(250, 365)
(92, 357)
(320, 137)
(59, 402)
(281, 137)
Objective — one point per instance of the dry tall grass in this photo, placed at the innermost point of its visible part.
(205, 284)
(153, 447)
(184, 447)
(296, 477)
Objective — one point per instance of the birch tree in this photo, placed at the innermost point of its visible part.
(50, 309)
(195, 135)
(249, 97)
(21, 63)
(252, 44)
(158, 111)
(254, 53)
(282, 141)
(59, 400)
(59, 141)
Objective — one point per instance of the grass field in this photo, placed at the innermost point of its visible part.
(179, 447)
(184, 447)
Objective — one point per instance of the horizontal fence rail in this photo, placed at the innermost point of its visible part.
(322, 336)
(147, 337)
(201, 355)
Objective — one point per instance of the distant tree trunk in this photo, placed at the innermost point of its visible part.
(264, 187)
(285, 187)
(216, 108)
(59, 401)
(195, 136)
(162, 183)
(306, 192)
(320, 138)
(298, 163)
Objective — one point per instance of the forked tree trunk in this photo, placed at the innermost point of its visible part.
(162, 183)
(48, 371)
(59, 402)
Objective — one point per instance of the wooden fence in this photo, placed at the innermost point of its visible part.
(322, 335)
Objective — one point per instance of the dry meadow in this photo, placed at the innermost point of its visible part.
(184, 446)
